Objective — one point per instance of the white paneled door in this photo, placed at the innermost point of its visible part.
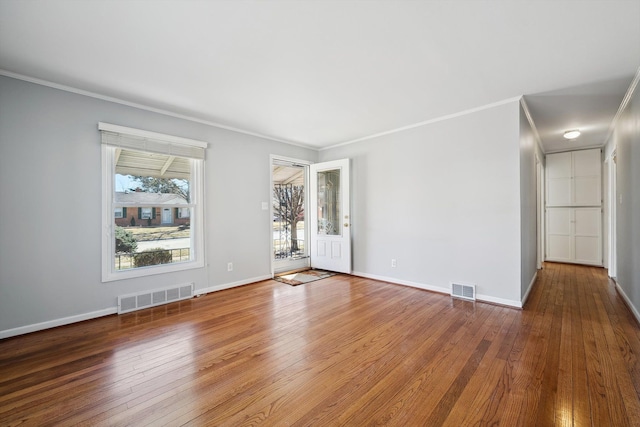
(560, 234)
(587, 225)
(330, 216)
(587, 180)
(167, 217)
(574, 178)
(574, 235)
(559, 179)
(574, 207)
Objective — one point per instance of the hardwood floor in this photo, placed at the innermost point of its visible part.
(340, 351)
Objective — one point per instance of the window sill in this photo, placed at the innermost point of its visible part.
(111, 276)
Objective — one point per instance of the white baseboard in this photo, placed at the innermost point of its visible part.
(439, 289)
(403, 282)
(7, 333)
(526, 294)
(202, 291)
(499, 301)
(56, 322)
(632, 308)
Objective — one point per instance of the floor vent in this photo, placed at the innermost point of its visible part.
(467, 292)
(132, 302)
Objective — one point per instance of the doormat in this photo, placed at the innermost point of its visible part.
(306, 276)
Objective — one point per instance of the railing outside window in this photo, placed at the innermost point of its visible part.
(125, 261)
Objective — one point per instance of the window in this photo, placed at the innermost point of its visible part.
(150, 174)
(145, 213)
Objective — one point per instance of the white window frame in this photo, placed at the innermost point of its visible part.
(109, 273)
(181, 213)
(146, 213)
(117, 210)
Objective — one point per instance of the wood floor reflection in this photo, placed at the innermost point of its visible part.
(339, 351)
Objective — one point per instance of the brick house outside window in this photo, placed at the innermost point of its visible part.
(159, 209)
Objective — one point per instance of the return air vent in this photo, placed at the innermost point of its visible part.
(467, 292)
(132, 302)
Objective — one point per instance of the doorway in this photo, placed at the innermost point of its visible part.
(310, 215)
(289, 228)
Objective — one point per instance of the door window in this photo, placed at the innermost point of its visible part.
(329, 212)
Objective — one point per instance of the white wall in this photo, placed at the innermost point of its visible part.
(627, 141)
(444, 200)
(447, 200)
(50, 205)
(528, 204)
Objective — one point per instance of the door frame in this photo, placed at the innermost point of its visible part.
(302, 262)
(540, 220)
(610, 164)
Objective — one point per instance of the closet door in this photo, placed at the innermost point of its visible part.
(574, 235)
(559, 235)
(574, 178)
(587, 241)
(574, 223)
(559, 177)
(586, 178)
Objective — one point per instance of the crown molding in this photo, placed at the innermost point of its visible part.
(426, 122)
(146, 107)
(525, 108)
(586, 147)
(519, 99)
(623, 104)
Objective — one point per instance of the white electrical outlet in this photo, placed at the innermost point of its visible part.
(229, 266)
(393, 263)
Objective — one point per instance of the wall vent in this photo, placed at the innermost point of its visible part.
(467, 292)
(132, 302)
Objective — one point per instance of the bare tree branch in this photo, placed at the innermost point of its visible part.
(288, 206)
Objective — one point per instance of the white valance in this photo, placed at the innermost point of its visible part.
(142, 140)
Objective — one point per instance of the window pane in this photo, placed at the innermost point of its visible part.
(154, 191)
(146, 213)
(329, 211)
(147, 246)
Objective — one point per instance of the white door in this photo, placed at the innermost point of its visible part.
(574, 235)
(573, 178)
(167, 218)
(330, 218)
(587, 166)
(588, 241)
(559, 234)
(559, 176)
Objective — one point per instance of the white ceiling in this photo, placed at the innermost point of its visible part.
(321, 73)
(590, 108)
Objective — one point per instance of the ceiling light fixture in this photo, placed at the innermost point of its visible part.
(572, 134)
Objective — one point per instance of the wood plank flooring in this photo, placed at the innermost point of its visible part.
(340, 351)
